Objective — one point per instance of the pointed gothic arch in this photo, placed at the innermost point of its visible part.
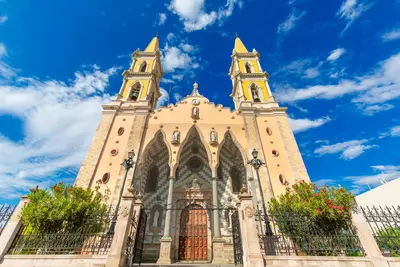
(143, 67)
(134, 91)
(255, 92)
(248, 67)
(194, 132)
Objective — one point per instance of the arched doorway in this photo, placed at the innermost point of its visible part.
(193, 234)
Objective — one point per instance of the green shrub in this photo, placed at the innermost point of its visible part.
(318, 220)
(388, 239)
(64, 208)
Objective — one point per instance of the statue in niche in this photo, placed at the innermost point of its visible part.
(255, 94)
(176, 135)
(156, 218)
(195, 113)
(213, 138)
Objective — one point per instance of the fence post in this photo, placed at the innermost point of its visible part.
(368, 242)
(12, 228)
(116, 256)
(251, 245)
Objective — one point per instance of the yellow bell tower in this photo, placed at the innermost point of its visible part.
(141, 81)
(250, 82)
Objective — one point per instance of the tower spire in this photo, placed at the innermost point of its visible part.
(153, 45)
(239, 46)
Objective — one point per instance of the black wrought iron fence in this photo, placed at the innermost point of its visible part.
(385, 225)
(5, 214)
(292, 234)
(84, 240)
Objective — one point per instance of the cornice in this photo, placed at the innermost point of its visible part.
(251, 75)
(151, 75)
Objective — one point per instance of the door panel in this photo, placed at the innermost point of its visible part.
(193, 234)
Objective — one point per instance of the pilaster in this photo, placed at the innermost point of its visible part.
(251, 247)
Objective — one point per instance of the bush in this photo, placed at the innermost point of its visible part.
(64, 208)
(388, 239)
(317, 220)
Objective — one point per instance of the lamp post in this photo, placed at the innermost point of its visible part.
(257, 163)
(127, 164)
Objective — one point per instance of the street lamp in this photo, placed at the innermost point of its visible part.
(127, 164)
(257, 163)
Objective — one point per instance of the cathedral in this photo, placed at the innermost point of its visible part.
(191, 166)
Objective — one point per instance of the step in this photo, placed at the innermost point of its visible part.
(186, 265)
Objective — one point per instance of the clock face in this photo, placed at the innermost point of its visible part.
(195, 102)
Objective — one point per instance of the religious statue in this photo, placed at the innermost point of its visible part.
(195, 113)
(254, 93)
(176, 135)
(213, 138)
(155, 218)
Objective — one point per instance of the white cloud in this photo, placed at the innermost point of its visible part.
(6, 71)
(163, 100)
(373, 109)
(177, 97)
(392, 132)
(188, 48)
(336, 54)
(349, 149)
(175, 58)
(301, 125)
(387, 173)
(369, 89)
(162, 17)
(288, 25)
(59, 121)
(311, 73)
(3, 19)
(392, 35)
(350, 10)
(194, 16)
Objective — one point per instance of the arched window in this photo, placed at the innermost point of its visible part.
(134, 94)
(255, 93)
(235, 177)
(143, 67)
(248, 68)
(152, 180)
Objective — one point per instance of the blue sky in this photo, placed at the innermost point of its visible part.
(335, 64)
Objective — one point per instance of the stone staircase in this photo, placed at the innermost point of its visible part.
(186, 265)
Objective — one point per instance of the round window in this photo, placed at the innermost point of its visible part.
(121, 131)
(282, 179)
(105, 178)
(269, 131)
(114, 152)
(275, 153)
(195, 164)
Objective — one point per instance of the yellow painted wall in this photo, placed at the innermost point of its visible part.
(129, 83)
(138, 62)
(242, 63)
(261, 84)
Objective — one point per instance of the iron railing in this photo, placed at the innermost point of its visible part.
(292, 234)
(385, 225)
(64, 241)
(5, 214)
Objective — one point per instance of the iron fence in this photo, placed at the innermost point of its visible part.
(287, 233)
(83, 240)
(385, 225)
(5, 214)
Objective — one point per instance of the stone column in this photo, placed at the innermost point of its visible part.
(368, 242)
(251, 247)
(12, 227)
(166, 240)
(128, 207)
(217, 241)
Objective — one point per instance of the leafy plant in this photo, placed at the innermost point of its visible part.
(388, 239)
(317, 220)
(64, 208)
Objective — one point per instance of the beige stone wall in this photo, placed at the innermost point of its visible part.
(90, 163)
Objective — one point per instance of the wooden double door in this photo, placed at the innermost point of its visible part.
(193, 234)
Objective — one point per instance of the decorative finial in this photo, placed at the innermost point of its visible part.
(195, 85)
(156, 35)
(237, 35)
(195, 92)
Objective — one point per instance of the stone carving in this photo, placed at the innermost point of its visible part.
(213, 138)
(194, 183)
(155, 218)
(195, 113)
(249, 211)
(244, 189)
(176, 135)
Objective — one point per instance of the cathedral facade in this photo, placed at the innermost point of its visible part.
(191, 162)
